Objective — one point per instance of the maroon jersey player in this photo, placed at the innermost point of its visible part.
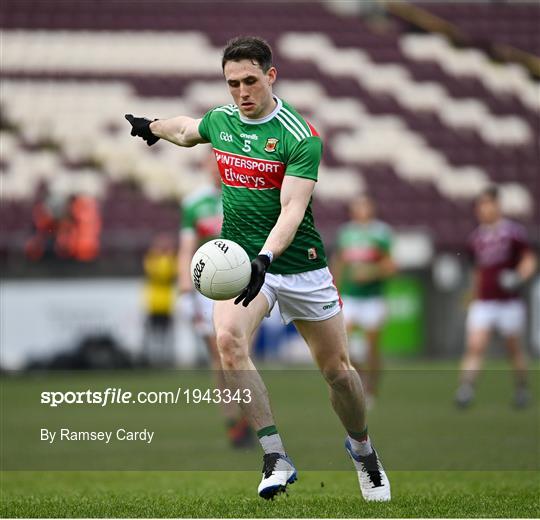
(503, 262)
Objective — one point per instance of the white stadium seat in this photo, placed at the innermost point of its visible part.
(507, 78)
(395, 81)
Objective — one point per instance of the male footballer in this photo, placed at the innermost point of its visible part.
(362, 263)
(504, 262)
(268, 157)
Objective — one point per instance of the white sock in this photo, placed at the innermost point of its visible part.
(272, 444)
(362, 448)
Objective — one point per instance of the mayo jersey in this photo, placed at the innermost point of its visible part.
(253, 156)
(202, 214)
(360, 246)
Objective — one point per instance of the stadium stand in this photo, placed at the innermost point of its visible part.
(420, 123)
(510, 23)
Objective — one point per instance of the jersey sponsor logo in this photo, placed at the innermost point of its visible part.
(209, 226)
(271, 144)
(221, 245)
(361, 254)
(224, 136)
(493, 248)
(249, 172)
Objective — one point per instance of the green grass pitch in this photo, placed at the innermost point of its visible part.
(233, 494)
(442, 462)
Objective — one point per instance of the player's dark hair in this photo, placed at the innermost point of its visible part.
(364, 196)
(248, 48)
(492, 192)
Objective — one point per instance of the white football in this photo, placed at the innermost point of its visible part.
(220, 269)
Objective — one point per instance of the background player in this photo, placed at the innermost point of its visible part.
(202, 216)
(268, 157)
(503, 263)
(362, 264)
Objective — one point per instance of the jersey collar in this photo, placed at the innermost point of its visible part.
(264, 119)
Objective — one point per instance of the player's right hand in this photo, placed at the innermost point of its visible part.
(140, 126)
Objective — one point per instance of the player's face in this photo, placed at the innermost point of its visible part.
(362, 209)
(487, 210)
(250, 87)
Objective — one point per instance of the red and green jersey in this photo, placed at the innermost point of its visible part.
(202, 214)
(253, 157)
(360, 247)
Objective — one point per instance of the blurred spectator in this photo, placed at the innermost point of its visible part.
(86, 228)
(65, 230)
(362, 263)
(503, 262)
(79, 231)
(47, 213)
(160, 294)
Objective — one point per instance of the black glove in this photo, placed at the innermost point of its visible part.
(258, 272)
(141, 127)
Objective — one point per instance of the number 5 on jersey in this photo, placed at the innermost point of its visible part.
(247, 146)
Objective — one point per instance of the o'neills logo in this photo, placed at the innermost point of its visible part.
(197, 272)
(248, 172)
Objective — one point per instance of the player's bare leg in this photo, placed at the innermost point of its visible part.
(235, 326)
(327, 341)
(471, 364)
(519, 365)
(369, 371)
(230, 410)
(356, 363)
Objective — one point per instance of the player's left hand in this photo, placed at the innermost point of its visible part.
(140, 126)
(259, 266)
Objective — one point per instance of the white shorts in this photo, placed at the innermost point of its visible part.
(368, 313)
(508, 317)
(310, 296)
